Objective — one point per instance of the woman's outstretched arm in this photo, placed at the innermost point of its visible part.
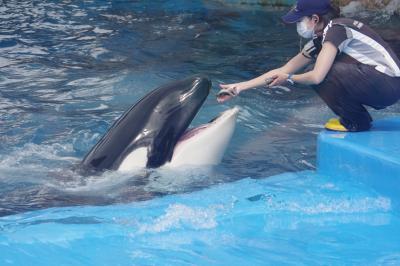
(292, 66)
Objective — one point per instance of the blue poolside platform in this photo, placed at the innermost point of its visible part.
(372, 157)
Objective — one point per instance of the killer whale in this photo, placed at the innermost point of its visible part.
(156, 123)
(148, 133)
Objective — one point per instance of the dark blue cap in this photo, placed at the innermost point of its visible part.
(307, 8)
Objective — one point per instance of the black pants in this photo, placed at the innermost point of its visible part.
(348, 87)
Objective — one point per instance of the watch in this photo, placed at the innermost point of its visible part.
(290, 80)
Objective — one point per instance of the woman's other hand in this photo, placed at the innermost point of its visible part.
(278, 79)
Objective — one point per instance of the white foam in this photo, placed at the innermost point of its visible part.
(100, 107)
(116, 17)
(336, 205)
(5, 36)
(179, 215)
(93, 184)
(86, 38)
(79, 14)
(98, 51)
(101, 31)
(5, 17)
(83, 82)
(30, 154)
(6, 62)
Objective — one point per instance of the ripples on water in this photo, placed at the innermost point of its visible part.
(68, 69)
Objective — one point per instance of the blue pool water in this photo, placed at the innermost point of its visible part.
(69, 69)
(291, 219)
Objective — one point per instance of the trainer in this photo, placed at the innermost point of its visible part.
(354, 67)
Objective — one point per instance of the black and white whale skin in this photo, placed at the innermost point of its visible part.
(151, 128)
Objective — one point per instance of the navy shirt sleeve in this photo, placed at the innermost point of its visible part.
(335, 34)
(312, 48)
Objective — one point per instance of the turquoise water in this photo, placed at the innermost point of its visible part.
(292, 219)
(69, 69)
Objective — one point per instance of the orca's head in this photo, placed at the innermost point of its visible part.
(148, 132)
(175, 106)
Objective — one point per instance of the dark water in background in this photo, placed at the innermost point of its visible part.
(68, 69)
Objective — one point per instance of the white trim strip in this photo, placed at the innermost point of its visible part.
(366, 39)
(361, 57)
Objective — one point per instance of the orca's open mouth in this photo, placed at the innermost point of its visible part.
(221, 118)
(191, 132)
(205, 144)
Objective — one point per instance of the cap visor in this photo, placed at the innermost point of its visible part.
(292, 17)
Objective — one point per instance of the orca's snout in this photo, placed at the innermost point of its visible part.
(202, 82)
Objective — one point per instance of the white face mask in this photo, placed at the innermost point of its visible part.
(303, 30)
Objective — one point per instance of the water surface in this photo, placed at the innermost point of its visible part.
(68, 69)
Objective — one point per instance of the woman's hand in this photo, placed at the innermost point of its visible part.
(278, 79)
(228, 91)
